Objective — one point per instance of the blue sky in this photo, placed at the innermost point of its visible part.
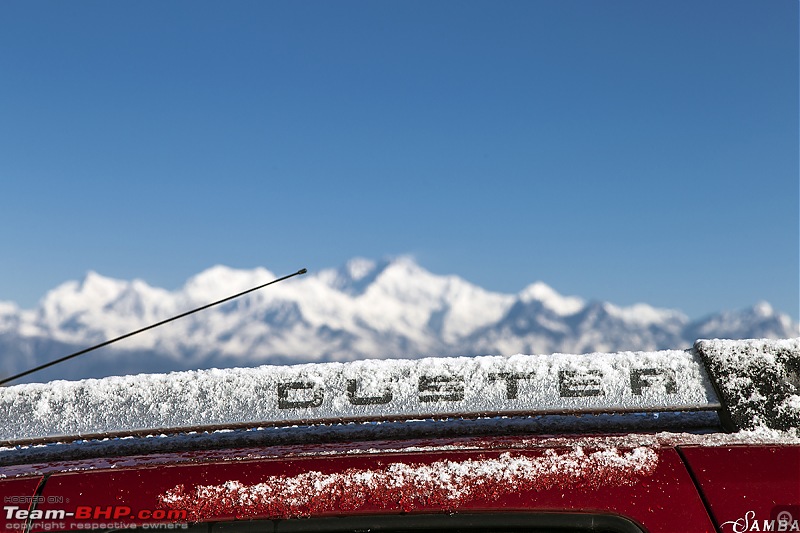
(618, 150)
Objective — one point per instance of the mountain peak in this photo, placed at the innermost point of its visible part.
(763, 309)
(358, 274)
(552, 300)
(359, 268)
(221, 281)
(93, 291)
(644, 315)
(354, 277)
(95, 282)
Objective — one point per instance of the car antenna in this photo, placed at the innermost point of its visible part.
(151, 326)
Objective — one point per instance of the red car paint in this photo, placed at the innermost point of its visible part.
(660, 496)
(17, 492)
(748, 485)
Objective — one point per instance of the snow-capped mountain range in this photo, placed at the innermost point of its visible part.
(365, 309)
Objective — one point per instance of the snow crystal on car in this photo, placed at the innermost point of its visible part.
(443, 484)
(758, 380)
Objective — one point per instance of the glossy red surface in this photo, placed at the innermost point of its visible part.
(659, 493)
(16, 493)
(746, 485)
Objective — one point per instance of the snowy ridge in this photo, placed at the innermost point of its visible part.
(365, 309)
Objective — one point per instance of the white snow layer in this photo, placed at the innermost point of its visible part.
(360, 390)
(448, 483)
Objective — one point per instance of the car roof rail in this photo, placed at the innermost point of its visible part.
(358, 391)
(746, 384)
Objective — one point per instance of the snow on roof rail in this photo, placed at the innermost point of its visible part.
(371, 390)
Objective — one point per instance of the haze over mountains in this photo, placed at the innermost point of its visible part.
(365, 309)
